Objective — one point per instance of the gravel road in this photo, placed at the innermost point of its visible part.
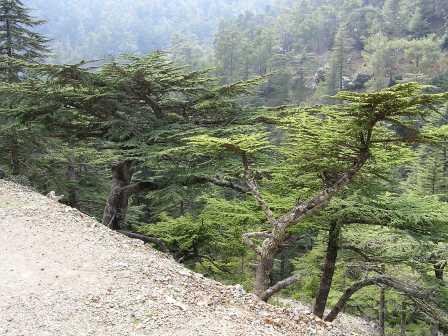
(62, 273)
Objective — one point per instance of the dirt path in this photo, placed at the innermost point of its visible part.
(61, 273)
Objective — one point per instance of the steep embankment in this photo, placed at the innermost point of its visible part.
(62, 273)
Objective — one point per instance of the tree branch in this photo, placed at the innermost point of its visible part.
(318, 202)
(160, 243)
(253, 187)
(278, 287)
(412, 291)
(248, 239)
(140, 187)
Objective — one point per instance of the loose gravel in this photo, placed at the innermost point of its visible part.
(62, 273)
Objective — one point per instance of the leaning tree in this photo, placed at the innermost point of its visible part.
(311, 155)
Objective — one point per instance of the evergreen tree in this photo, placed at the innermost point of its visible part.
(338, 62)
(17, 39)
(17, 42)
(326, 148)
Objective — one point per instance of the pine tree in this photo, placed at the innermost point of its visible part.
(338, 62)
(17, 39)
(17, 42)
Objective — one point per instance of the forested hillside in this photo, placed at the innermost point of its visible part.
(298, 148)
(317, 48)
(91, 29)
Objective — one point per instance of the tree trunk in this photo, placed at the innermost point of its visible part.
(263, 272)
(382, 312)
(438, 272)
(73, 190)
(14, 155)
(117, 204)
(328, 271)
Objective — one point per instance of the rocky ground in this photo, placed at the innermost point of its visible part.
(62, 273)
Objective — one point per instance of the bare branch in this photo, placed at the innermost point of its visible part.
(253, 187)
(279, 286)
(407, 289)
(147, 239)
(248, 239)
(140, 187)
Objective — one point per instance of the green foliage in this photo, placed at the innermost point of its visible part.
(18, 41)
(210, 241)
(182, 126)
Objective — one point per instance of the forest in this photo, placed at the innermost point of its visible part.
(296, 147)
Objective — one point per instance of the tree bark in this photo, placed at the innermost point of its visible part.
(438, 271)
(412, 291)
(146, 239)
(274, 240)
(328, 271)
(278, 287)
(264, 269)
(14, 152)
(117, 204)
(73, 179)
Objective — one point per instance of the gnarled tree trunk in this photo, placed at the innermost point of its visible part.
(266, 253)
(274, 241)
(328, 271)
(117, 204)
(114, 215)
(263, 271)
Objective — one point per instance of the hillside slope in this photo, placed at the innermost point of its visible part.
(97, 28)
(62, 273)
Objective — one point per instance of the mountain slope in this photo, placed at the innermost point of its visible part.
(65, 274)
(98, 28)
